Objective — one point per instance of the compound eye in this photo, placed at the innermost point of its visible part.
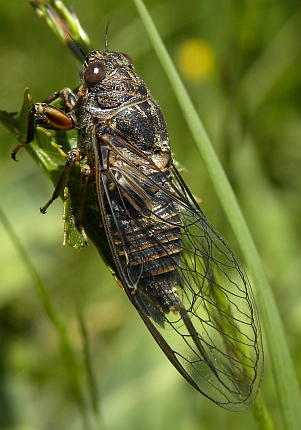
(94, 73)
(127, 57)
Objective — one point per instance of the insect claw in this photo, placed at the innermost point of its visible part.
(14, 153)
(44, 208)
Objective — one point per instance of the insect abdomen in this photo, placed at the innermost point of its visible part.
(150, 250)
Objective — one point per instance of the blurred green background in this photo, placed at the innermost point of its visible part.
(241, 63)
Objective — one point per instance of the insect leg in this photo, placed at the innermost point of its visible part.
(68, 97)
(30, 134)
(86, 174)
(74, 156)
(50, 116)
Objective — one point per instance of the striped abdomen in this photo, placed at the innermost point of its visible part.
(149, 248)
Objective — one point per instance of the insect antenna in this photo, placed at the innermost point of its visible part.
(81, 50)
(106, 38)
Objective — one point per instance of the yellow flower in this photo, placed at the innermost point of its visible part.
(196, 59)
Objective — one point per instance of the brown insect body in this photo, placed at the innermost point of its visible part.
(180, 275)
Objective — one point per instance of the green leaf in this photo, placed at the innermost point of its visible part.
(72, 237)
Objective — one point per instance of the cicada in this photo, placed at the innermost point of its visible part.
(178, 272)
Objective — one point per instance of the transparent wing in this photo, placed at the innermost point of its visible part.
(182, 277)
(217, 339)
